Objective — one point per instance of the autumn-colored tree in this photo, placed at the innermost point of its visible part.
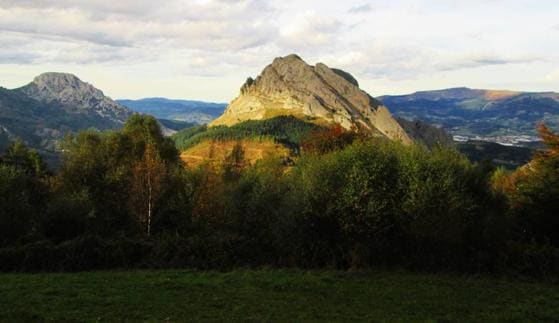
(324, 141)
(551, 141)
(147, 181)
(534, 193)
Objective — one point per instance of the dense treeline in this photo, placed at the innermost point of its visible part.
(124, 199)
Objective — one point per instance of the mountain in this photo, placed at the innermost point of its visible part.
(318, 94)
(180, 110)
(501, 116)
(43, 111)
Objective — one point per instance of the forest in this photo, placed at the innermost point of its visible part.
(124, 199)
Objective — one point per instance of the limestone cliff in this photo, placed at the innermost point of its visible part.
(319, 94)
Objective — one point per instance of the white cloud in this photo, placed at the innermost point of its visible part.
(311, 29)
(212, 25)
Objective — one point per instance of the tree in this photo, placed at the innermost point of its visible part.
(534, 194)
(147, 182)
(322, 141)
(23, 192)
(22, 158)
(234, 163)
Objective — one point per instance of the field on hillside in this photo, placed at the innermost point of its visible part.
(272, 296)
(214, 151)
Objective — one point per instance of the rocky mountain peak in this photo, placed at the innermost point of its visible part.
(63, 87)
(69, 93)
(57, 80)
(320, 94)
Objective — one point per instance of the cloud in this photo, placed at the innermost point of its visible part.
(311, 30)
(474, 60)
(401, 62)
(67, 24)
(211, 25)
(361, 8)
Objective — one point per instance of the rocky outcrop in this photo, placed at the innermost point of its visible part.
(319, 94)
(75, 95)
(43, 111)
(426, 134)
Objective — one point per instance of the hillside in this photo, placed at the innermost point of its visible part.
(180, 110)
(500, 116)
(215, 151)
(286, 130)
(509, 157)
(53, 104)
(280, 137)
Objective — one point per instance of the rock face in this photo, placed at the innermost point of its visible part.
(43, 111)
(425, 134)
(75, 95)
(319, 94)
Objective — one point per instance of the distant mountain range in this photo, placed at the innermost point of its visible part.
(181, 110)
(53, 104)
(480, 114)
(507, 117)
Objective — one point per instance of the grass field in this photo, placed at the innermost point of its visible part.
(272, 296)
(215, 151)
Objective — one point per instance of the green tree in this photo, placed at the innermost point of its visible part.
(23, 192)
(20, 157)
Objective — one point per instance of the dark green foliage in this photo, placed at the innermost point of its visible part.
(23, 193)
(289, 131)
(347, 202)
(175, 124)
(83, 253)
(98, 170)
(509, 157)
(378, 202)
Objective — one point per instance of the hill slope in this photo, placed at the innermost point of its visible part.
(484, 113)
(43, 111)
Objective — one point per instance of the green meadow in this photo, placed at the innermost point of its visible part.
(273, 295)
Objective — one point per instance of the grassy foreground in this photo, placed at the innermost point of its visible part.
(271, 296)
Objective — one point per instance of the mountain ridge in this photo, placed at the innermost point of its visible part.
(193, 111)
(479, 113)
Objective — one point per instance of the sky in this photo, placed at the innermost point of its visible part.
(205, 49)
